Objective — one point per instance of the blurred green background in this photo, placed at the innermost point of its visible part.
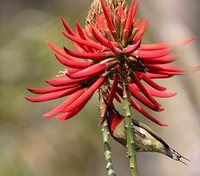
(33, 146)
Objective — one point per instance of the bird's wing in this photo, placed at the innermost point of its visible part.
(155, 135)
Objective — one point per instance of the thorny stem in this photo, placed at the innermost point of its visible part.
(107, 150)
(106, 142)
(129, 128)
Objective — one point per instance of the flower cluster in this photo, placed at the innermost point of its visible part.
(105, 50)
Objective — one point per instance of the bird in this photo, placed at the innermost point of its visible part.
(146, 140)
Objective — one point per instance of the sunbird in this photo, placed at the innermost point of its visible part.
(146, 140)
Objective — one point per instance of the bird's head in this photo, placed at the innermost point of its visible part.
(114, 118)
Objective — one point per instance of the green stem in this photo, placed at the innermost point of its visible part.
(129, 130)
(107, 150)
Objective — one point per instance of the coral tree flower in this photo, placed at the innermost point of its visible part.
(104, 49)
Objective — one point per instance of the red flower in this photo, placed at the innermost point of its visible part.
(104, 50)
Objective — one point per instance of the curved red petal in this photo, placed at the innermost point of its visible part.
(108, 19)
(157, 75)
(145, 92)
(152, 83)
(83, 42)
(73, 64)
(72, 113)
(99, 37)
(146, 114)
(187, 41)
(157, 93)
(160, 60)
(91, 71)
(53, 95)
(161, 94)
(111, 96)
(67, 27)
(93, 56)
(154, 53)
(65, 81)
(114, 49)
(87, 94)
(141, 30)
(60, 51)
(49, 89)
(133, 47)
(165, 68)
(142, 99)
(65, 104)
(157, 46)
(130, 18)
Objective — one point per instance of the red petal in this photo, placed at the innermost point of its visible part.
(67, 27)
(142, 111)
(101, 39)
(157, 46)
(53, 95)
(157, 76)
(89, 71)
(133, 47)
(142, 99)
(161, 94)
(61, 52)
(93, 56)
(187, 41)
(154, 53)
(73, 64)
(114, 49)
(80, 30)
(111, 96)
(100, 23)
(137, 24)
(113, 89)
(78, 48)
(108, 19)
(71, 32)
(49, 89)
(141, 31)
(107, 16)
(64, 81)
(87, 94)
(146, 114)
(83, 42)
(72, 70)
(69, 115)
(121, 12)
(157, 93)
(160, 60)
(63, 105)
(130, 18)
(145, 92)
(152, 83)
(167, 73)
(166, 68)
